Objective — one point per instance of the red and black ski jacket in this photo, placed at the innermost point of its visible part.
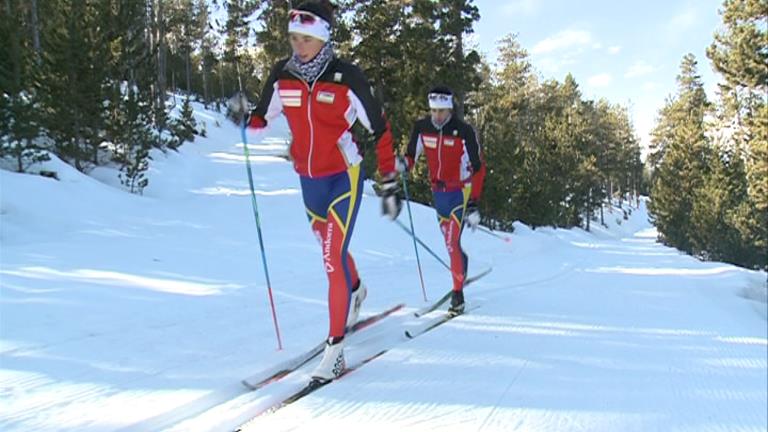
(454, 157)
(320, 115)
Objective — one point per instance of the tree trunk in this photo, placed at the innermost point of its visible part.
(188, 71)
(35, 31)
(161, 55)
(589, 211)
(221, 79)
(610, 196)
(458, 57)
(602, 213)
(149, 34)
(205, 83)
(20, 159)
(15, 50)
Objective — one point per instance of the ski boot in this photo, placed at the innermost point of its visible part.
(332, 365)
(457, 303)
(355, 303)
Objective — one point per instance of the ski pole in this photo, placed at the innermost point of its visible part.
(424, 245)
(256, 209)
(415, 246)
(490, 232)
(258, 230)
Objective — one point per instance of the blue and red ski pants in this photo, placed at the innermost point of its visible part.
(332, 203)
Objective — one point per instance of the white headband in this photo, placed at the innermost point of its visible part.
(440, 101)
(313, 26)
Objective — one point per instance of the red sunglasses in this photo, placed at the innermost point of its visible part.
(302, 17)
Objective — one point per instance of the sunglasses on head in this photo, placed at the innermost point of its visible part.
(439, 97)
(303, 17)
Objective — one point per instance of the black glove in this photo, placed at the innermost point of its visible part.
(238, 108)
(390, 200)
(472, 215)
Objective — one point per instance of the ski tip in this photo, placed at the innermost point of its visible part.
(408, 334)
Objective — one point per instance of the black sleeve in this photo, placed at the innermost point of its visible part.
(413, 143)
(267, 91)
(374, 114)
(473, 147)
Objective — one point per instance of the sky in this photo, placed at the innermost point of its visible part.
(626, 52)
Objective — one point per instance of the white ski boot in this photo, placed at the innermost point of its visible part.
(355, 304)
(332, 365)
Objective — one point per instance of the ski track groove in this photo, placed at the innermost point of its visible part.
(246, 398)
(402, 323)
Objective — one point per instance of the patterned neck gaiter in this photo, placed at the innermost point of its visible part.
(312, 69)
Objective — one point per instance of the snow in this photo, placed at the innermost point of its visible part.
(125, 312)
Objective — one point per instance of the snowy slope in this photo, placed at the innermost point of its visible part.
(121, 312)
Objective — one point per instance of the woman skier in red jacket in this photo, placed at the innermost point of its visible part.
(322, 96)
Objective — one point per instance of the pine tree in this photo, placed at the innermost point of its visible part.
(159, 47)
(272, 39)
(505, 119)
(207, 43)
(682, 169)
(72, 80)
(715, 210)
(185, 127)
(129, 99)
(19, 126)
(237, 32)
(739, 53)
(458, 69)
(133, 139)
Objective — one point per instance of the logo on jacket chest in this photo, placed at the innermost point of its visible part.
(325, 97)
(432, 141)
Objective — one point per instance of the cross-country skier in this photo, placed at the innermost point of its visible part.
(321, 97)
(456, 172)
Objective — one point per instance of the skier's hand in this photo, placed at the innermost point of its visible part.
(390, 200)
(472, 215)
(237, 109)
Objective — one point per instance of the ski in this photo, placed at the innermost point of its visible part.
(310, 388)
(421, 312)
(442, 319)
(279, 371)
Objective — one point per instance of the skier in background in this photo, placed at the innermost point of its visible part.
(456, 172)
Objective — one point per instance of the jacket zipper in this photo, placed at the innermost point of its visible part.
(309, 115)
(440, 154)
